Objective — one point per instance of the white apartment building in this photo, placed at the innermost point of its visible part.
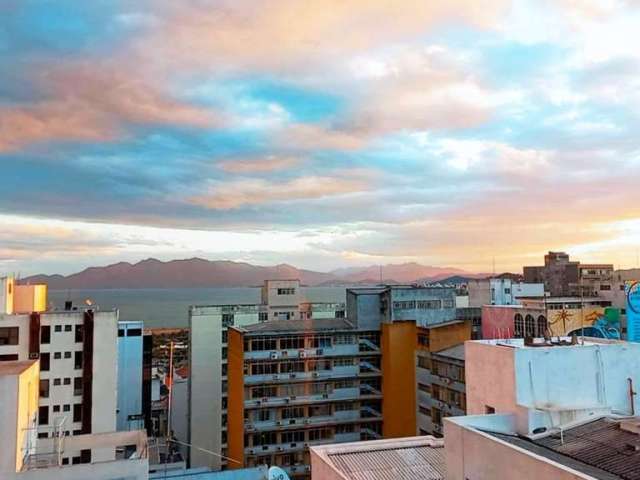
(23, 456)
(78, 371)
(281, 300)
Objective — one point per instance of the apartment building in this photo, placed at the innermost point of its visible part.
(501, 291)
(131, 410)
(25, 456)
(208, 324)
(547, 409)
(298, 383)
(440, 390)
(77, 353)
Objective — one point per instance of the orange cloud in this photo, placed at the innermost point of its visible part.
(258, 165)
(229, 195)
(93, 103)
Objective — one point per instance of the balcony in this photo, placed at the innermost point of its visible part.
(337, 418)
(321, 352)
(333, 374)
(367, 346)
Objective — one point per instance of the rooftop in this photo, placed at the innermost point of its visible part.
(443, 324)
(15, 367)
(307, 325)
(394, 459)
(555, 342)
(456, 352)
(606, 448)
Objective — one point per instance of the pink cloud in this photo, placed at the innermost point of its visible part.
(246, 192)
(258, 165)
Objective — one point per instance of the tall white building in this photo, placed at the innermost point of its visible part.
(281, 300)
(78, 370)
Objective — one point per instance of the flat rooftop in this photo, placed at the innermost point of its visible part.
(15, 367)
(299, 326)
(607, 448)
(397, 459)
(555, 342)
(457, 352)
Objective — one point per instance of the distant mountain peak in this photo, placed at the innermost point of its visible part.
(198, 273)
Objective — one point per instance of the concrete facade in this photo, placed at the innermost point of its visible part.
(129, 402)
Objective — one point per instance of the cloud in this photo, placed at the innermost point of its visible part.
(89, 102)
(251, 192)
(258, 165)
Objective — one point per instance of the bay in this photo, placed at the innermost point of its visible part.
(167, 308)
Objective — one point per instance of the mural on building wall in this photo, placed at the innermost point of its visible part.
(632, 292)
(564, 321)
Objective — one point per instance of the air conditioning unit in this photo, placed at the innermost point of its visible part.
(446, 381)
(279, 423)
(325, 395)
(251, 452)
(285, 353)
(274, 355)
(280, 449)
(275, 377)
(302, 354)
(286, 400)
(258, 402)
(316, 374)
(293, 375)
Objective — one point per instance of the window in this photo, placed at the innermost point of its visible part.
(424, 362)
(79, 334)
(264, 392)
(57, 355)
(424, 411)
(77, 412)
(423, 387)
(293, 437)
(57, 328)
(263, 316)
(423, 339)
(319, 365)
(67, 354)
(44, 388)
(507, 291)
(518, 322)
(56, 382)
(406, 305)
(349, 428)
(45, 334)
(605, 287)
(292, 367)
(343, 362)
(43, 435)
(344, 384)
(343, 406)
(261, 344)
(542, 326)
(448, 303)
(321, 342)
(44, 362)
(264, 368)
(9, 357)
(75, 460)
(65, 461)
(68, 328)
(291, 343)
(286, 291)
(9, 335)
(429, 304)
(67, 381)
(56, 408)
(66, 407)
(488, 409)
(227, 320)
(320, 410)
(134, 332)
(320, 434)
(344, 339)
(293, 412)
(43, 415)
(77, 360)
(264, 438)
(121, 332)
(529, 326)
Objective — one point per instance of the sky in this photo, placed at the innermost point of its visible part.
(320, 133)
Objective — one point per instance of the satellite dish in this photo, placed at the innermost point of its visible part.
(276, 473)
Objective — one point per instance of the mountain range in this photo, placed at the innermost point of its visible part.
(198, 272)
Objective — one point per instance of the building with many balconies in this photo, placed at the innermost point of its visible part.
(293, 384)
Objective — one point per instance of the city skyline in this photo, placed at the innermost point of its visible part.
(325, 134)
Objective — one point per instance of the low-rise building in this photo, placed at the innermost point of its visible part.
(547, 409)
(25, 455)
(399, 459)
